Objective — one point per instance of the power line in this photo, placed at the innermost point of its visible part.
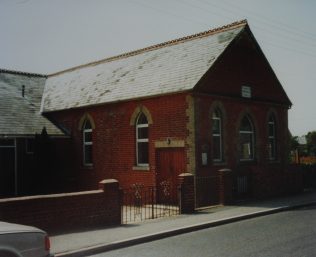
(169, 13)
(199, 8)
(172, 14)
(286, 31)
(275, 32)
(291, 49)
(278, 23)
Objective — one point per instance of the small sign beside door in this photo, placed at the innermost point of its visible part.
(204, 158)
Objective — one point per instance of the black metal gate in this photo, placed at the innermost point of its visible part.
(140, 203)
(207, 191)
(242, 186)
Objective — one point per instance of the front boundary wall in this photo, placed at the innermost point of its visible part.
(59, 212)
(103, 207)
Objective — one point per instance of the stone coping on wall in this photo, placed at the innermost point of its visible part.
(26, 198)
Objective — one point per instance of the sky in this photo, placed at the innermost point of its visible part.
(46, 36)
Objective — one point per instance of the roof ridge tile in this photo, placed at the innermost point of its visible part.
(157, 46)
(22, 73)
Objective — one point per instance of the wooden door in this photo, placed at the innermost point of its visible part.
(170, 163)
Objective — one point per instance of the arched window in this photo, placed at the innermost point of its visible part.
(87, 143)
(217, 144)
(272, 137)
(246, 139)
(142, 140)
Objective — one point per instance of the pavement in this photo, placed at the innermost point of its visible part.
(89, 242)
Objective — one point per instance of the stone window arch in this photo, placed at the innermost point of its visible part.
(85, 117)
(137, 111)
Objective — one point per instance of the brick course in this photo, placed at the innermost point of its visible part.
(58, 212)
(114, 154)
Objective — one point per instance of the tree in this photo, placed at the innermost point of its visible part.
(294, 143)
(311, 143)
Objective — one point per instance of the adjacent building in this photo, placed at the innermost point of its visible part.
(23, 133)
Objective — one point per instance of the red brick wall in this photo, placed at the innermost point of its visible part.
(114, 154)
(114, 137)
(233, 111)
(242, 65)
(65, 211)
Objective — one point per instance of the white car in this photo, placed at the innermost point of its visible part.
(23, 241)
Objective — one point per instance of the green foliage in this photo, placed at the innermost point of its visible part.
(311, 143)
(294, 143)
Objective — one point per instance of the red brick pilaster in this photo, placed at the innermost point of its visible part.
(112, 192)
(187, 193)
(225, 186)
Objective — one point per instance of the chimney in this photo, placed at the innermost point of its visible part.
(23, 90)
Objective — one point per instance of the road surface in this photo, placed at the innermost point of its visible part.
(285, 234)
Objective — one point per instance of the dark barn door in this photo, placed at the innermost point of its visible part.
(7, 169)
(170, 164)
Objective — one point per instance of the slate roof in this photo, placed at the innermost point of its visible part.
(20, 116)
(170, 67)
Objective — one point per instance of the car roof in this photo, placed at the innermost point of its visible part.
(6, 227)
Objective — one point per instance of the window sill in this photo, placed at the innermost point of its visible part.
(141, 168)
(247, 162)
(273, 161)
(87, 167)
(219, 163)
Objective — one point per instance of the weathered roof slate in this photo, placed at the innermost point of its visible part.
(170, 67)
(20, 116)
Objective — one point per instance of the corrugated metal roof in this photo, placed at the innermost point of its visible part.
(170, 67)
(21, 115)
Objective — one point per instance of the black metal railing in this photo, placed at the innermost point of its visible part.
(140, 203)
